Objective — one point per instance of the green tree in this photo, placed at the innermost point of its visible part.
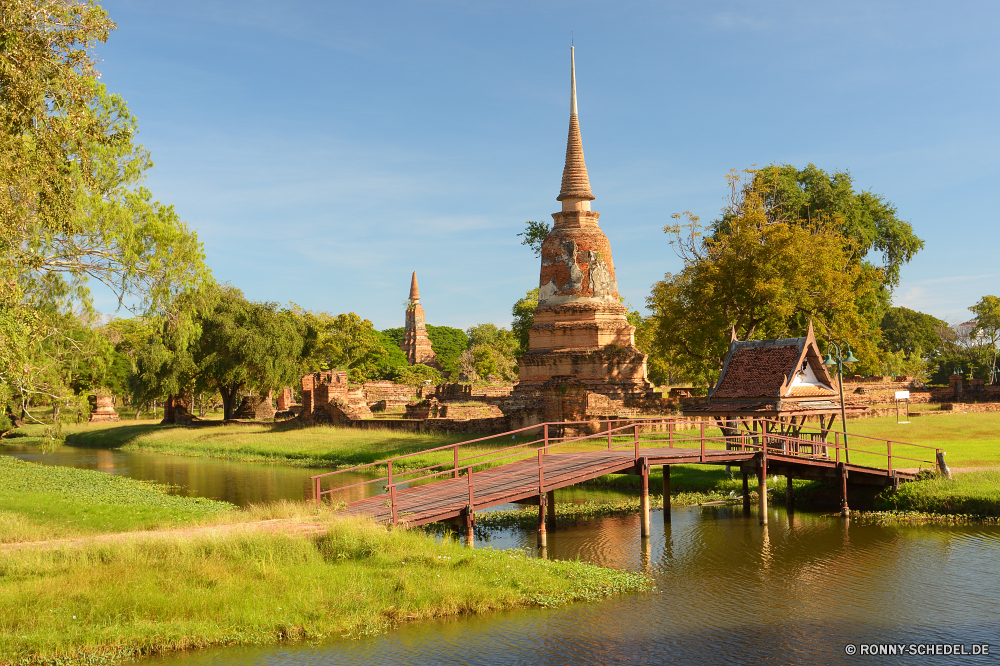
(534, 235)
(524, 318)
(246, 345)
(71, 202)
(765, 277)
(448, 344)
(870, 222)
(911, 332)
(417, 375)
(491, 352)
(987, 330)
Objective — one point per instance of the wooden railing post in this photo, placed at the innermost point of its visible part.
(545, 436)
(390, 473)
(702, 441)
(316, 492)
(456, 461)
(836, 445)
(609, 434)
(635, 439)
(472, 502)
(541, 473)
(392, 503)
(888, 451)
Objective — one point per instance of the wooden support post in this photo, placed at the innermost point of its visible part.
(762, 487)
(542, 497)
(666, 493)
(844, 509)
(644, 500)
(456, 461)
(470, 521)
(746, 490)
(609, 434)
(789, 494)
(550, 504)
(938, 456)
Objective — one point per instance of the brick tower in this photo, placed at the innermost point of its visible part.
(580, 339)
(416, 345)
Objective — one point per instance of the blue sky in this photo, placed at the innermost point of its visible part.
(324, 150)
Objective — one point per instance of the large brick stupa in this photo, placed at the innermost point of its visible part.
(581, 347)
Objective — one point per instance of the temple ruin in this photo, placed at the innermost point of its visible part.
(416, 345)
(582, 361)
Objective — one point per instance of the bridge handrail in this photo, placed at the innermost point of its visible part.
(455, 470)
(634, 424)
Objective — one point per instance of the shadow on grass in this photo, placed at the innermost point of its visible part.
(114, 437)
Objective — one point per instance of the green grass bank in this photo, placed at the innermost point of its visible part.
(39, 502)
(103, 603)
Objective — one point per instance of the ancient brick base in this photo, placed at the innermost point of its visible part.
(102, 408)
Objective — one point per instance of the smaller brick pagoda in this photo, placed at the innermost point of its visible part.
(416, 345)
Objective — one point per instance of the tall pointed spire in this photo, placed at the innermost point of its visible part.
(575, 181)
(414, 290)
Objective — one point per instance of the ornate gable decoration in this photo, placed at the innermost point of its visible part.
(784, 368)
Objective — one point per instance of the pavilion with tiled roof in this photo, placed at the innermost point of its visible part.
(783, 380)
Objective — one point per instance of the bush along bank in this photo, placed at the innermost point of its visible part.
(103, 603)
(970, 495)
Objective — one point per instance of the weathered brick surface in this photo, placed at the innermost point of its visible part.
(257, 407)
(390, 393)
(416, 345)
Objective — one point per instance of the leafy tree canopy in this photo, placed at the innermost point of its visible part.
(867, 220)
(246, 345)
(911, 332)
(534, 235)
(491, 352)
(417, 375)
(766, 277)
(72, 207)
(448, 344)
(524, 317)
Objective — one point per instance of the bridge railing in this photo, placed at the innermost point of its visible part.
(761, 434)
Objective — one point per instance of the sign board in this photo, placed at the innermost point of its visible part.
(902, 395)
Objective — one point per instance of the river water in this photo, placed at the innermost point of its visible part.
(797, 591)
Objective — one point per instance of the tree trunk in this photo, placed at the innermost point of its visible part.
(228, 394)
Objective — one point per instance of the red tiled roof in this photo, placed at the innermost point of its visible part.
(753, 372)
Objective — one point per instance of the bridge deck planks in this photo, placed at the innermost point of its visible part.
(518, 481)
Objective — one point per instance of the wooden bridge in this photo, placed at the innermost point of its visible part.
(529, 472)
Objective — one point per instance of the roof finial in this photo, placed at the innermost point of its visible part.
(575, 181)
(572, 81)
(414, 291)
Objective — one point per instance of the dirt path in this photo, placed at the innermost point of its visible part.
(289, 525)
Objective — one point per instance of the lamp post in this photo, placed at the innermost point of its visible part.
(839, 361)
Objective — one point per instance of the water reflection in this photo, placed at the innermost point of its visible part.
(237, 482)
(728, 591)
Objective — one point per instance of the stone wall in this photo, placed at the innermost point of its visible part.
(390, 393)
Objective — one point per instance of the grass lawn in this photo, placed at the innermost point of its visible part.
(969, 440)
